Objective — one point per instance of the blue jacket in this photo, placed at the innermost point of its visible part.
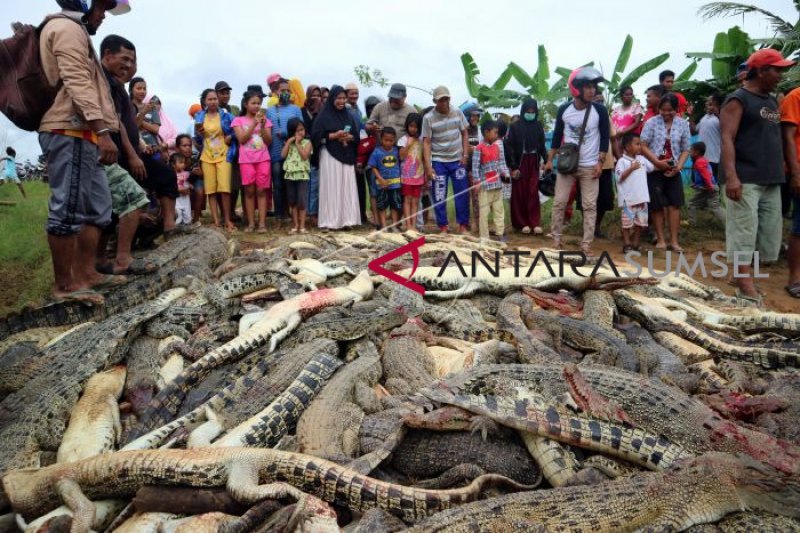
(226, 119)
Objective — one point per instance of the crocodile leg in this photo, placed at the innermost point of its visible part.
(243, 485)
(590, 401)
(557, 462)
(83, 508)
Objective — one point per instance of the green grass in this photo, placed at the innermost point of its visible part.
(25, 265)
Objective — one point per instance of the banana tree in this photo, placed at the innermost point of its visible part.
(616, 81)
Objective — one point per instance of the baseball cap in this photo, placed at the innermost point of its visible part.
(440, 92)
(122, 7)
(273, 78)
(256, 89)
(222, 86)
(768, 57)
(194, 108)
(398, 90)
(351, 87)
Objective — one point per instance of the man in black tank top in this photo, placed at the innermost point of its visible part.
(752, 163)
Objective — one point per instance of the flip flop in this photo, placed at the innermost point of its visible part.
(140, 266)
(84, 296)
(758, 301)
(793, 289)
(110, 280)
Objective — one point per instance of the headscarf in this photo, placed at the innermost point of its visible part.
(167, 131)
(311, 105)
(530, 131)
(298, 95)
(331, 120)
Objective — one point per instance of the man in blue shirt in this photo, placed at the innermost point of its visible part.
(279, 115)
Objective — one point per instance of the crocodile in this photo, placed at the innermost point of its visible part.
(38, 337)
(655, 317)
(271, 374)
(650, 404)
(33, 419)
(268, 426)
(94, 426)
(269, 330)
(350, 395)
(750, 522)
(249, 474)
(599, 309)
(663, 364)
(205, 245)
(696, 491)
(514, 314)
(406, 363)
(106, 511)
(144, 362)
(238, 286)
(687, 351)
(311, 271)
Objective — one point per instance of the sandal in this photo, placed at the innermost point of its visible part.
(759, 301)
(262, 229)
(671, 248)
(84, 296)
(537, 230)
(303, 230)
(587, 250)
(109, 281)
(249, 229)
(293, 231)
(793, 289)
(627, 248)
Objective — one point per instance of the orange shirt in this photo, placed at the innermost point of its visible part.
(790, 113)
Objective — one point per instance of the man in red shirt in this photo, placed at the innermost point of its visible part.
(667, 79)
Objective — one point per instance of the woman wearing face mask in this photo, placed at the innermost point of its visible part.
(334, 138)
(527, 151)
(279, 115)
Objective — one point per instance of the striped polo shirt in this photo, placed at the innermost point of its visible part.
(444, 131)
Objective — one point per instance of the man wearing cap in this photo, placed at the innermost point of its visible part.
(224, 91)
(393, 113)
(445, 146)
(351, 90)
(75, 136)
(752, 162)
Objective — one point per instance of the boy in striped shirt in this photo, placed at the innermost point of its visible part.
(490, 169)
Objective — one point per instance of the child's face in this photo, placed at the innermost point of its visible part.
(652, 99)
(634, 147)
(711, 107)
(253, 105)
(490, 135)
(300, 131)
(413, 130)
(387, 141)
(694, 153)
(179, 165)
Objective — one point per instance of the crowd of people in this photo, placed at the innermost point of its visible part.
(311, 158)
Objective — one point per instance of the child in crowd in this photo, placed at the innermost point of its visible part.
(489, 168)
(10, 172)
(385, 165)
(254, 133)
(365, 148)
(704, 184)
(296, 172)
(183, 204)
(502, 133)
(412, 171)
(632, 192)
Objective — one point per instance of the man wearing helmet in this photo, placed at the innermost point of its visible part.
(593, 148)
(75, 136)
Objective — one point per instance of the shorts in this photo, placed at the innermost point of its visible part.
(391, 198)
(634, 215)
(126, 194)
(414, 191)
(664, 192)
(259, 173)
(297, 192)
(79, 192)
(796, 217)
(13, 178)
(754, 223)
(217, 177)
(374, 190)
(161, 178)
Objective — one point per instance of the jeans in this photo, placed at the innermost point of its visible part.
(313, 191)
(278, 190)
(456, 173)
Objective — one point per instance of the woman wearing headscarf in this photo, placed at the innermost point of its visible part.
(526, 141)
(334, 140)
(310, 110)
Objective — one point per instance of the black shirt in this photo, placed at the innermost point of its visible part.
(127, 117)
(759, 152)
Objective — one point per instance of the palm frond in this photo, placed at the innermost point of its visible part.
(730, 9)
(471, 73)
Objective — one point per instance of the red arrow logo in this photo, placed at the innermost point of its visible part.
(412, 247)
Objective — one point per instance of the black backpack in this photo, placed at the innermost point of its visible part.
(25, 93)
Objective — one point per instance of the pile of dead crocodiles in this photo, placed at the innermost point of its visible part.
(291, 388)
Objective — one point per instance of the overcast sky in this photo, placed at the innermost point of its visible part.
(185, 46)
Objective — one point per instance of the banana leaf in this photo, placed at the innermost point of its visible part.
(542, 72)
(471, 73)
(521, 76)
(502, 80)
(721, 69)
(710, 55)
(687, 73)
(643, 69)
(622, 62)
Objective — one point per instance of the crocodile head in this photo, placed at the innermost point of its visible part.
(762, 487)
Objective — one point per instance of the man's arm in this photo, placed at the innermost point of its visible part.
(137, 165)
(426, 157)
(730, 117)
(790, 155)
(464, 146)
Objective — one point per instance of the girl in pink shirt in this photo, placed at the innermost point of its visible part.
(254, 133)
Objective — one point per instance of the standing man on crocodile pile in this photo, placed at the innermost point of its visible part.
(752, 162)
(75, 136)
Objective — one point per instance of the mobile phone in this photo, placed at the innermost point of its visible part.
(347, 129)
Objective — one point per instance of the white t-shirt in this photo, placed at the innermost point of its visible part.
(634, 189)
(708, 129)
(573, 121)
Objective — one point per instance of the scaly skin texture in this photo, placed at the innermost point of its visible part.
(277, 323)
(204, 245)
(248, 473)
(234, 404)
(406, 364)
(144, 362)
(336, 437)
(599, 309)
(280, 417)
(514, 314)
(699, 491)
(349, 327)
(34, 418)
(94, 426)
(659, 408)
(655, 317)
